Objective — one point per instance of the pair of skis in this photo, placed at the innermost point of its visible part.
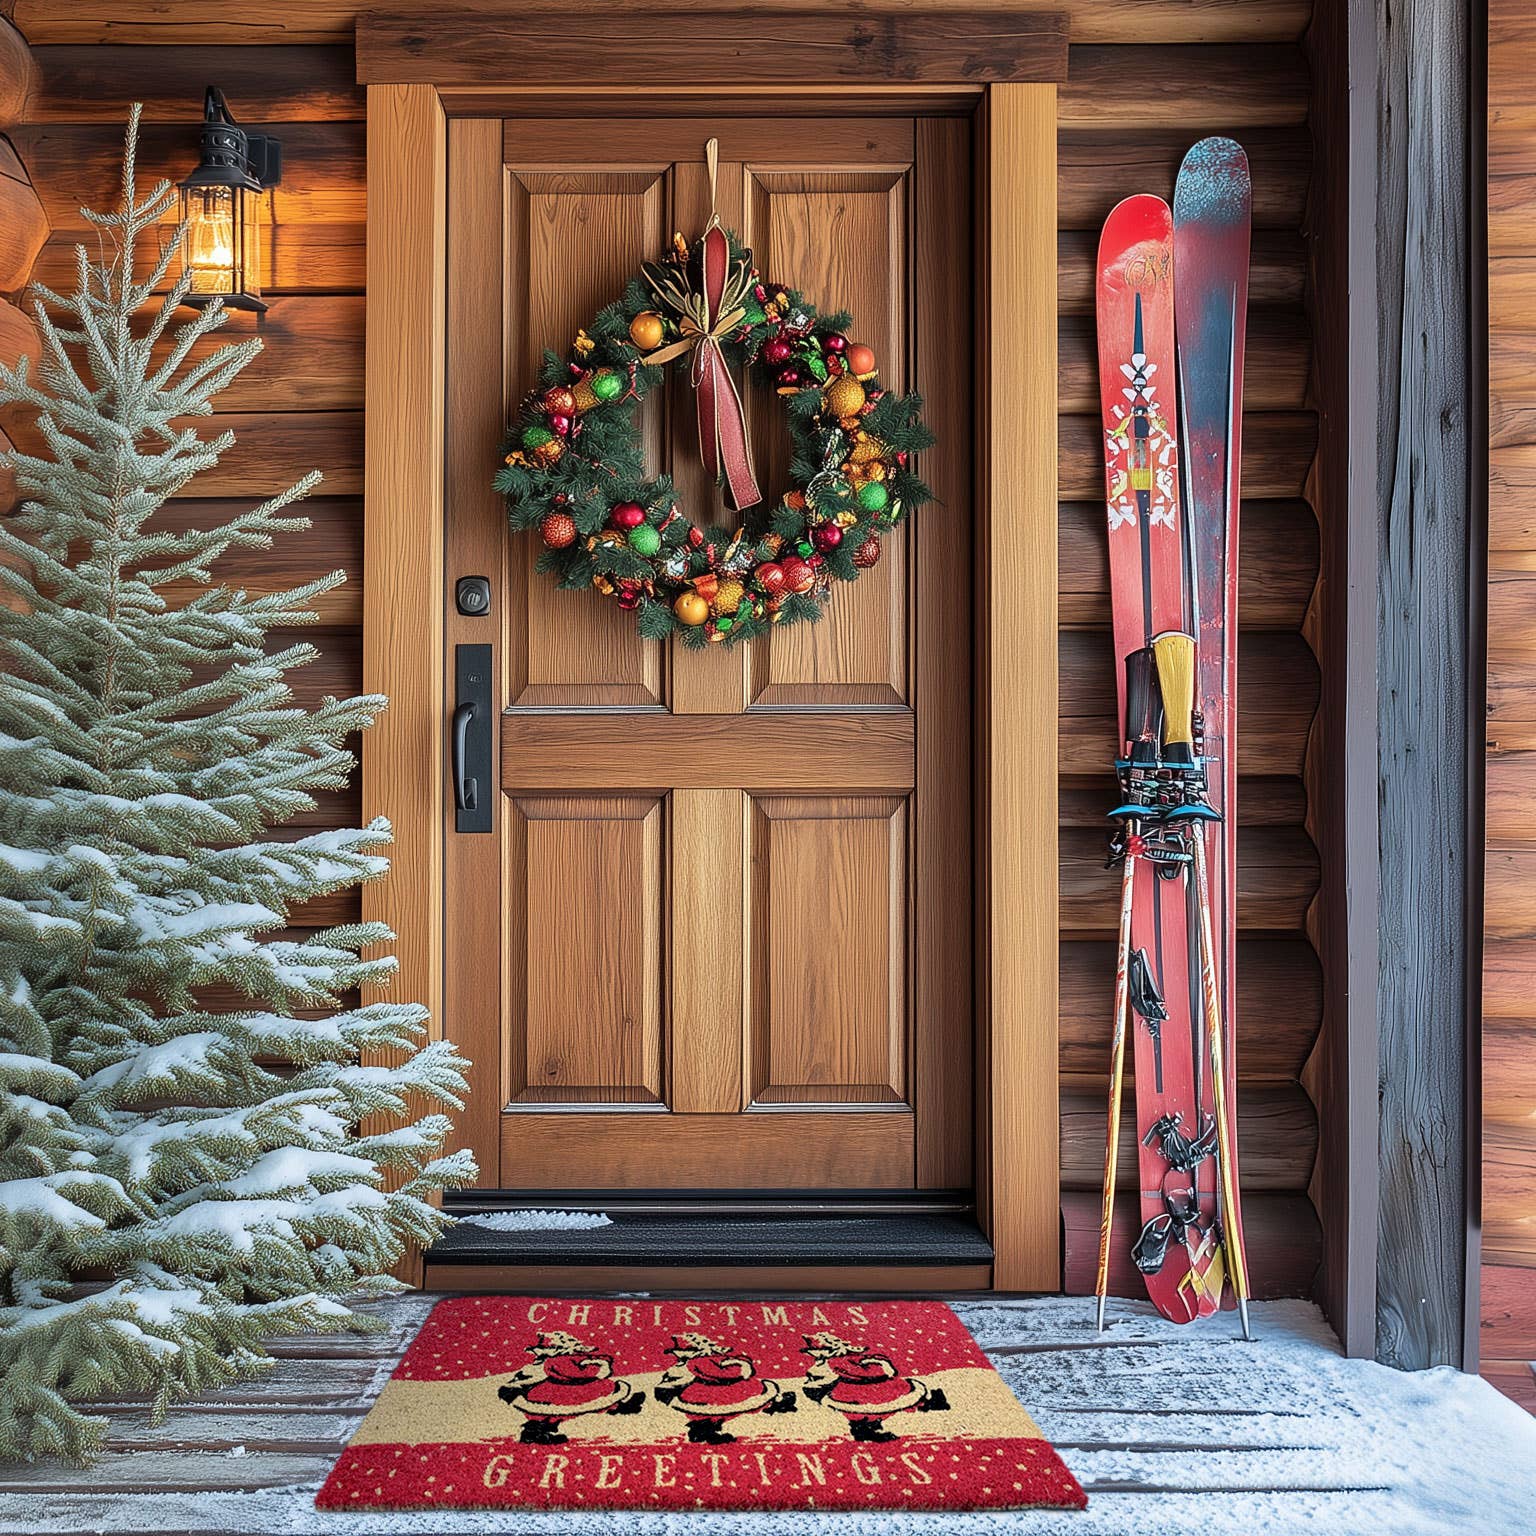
(1172, 299)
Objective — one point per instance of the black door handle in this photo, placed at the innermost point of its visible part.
(472, 739)
(466, 791)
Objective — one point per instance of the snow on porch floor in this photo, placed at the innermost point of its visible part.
(1169, 1429)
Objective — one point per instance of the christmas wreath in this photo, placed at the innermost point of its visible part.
(574, 465)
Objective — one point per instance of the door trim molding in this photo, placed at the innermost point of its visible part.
(403, 759)
(1017, 1111)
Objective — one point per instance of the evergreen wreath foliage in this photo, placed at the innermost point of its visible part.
(574, 463)
(195, 1120)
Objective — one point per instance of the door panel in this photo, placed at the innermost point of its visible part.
(574, 239)
(829, 909)
(585, 1017)
(726, 905)
(842, 234)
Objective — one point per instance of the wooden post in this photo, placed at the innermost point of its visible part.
(403, 754)
(1430, 788)
(1019, 1158)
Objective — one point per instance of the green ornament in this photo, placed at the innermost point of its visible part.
(607, 386)
(645, 540)
(723, 624)
(873, 496)
(804, 548)
(536, 437)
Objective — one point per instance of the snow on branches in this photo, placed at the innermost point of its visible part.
(183, 1092)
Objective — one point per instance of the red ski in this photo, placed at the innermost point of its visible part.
(1212, 215)
(1159, 965)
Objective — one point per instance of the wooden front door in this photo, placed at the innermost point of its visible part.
(720, 935)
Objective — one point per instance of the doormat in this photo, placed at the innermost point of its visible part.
(554, 1403)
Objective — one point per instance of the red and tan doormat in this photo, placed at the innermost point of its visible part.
(634, 1404)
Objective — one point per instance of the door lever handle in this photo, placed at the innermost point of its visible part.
(466, 791)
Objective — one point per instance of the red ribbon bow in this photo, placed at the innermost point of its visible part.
(723, 442)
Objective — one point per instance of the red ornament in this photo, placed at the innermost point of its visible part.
(560, 424)
(826, 536)
(776, 352)
(798, 575)
(770, 577)
(788, 378)
(836, 342)
(558, 530)
(861, 359)
(868, 553)
(559, 401)
(695, 537)
(629, 597)
(627, 515)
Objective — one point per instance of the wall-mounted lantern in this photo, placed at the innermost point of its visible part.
(221, 205)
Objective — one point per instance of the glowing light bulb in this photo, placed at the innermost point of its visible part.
(211, 241)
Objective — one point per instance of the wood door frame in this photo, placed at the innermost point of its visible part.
(1017, 928)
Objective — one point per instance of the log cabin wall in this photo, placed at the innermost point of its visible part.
(1508, 1334)
(1147, 79)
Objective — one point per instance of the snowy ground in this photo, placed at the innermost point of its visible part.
(1170, 1430)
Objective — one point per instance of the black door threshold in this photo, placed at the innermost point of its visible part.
(725, 1231)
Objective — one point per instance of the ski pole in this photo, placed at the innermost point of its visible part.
(1116, 1068)
(1231, 1227)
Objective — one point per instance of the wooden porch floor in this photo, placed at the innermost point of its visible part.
(1168, 1429)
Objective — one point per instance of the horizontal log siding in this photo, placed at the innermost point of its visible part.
(1508, 1303)
(1126, 117)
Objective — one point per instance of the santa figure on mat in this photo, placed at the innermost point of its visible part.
(711, 1385)
(864, 1386)
(567, 1380)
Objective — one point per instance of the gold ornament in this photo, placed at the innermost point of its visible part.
(583, 344)
(602, 584)
(548, 453)
(691, 609)
(645, 330)
(844, 397)
(583, 396)
(865, 449)
(846, 519)
(728, 595)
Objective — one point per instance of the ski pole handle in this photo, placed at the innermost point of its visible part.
(1175, 653)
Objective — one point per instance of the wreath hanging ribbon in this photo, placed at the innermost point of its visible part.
(707, 312)
(574, 463)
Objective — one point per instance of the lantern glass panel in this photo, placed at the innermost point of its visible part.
(223, 242)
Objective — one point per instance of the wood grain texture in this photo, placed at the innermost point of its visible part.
(1276, 1128)
(97, 82)
(780, 1149)
(1423, 459)
(864, 750)
(1279, 996)
(584, 1014)
(804, 46)
(476, 995)
(403, 623)
(1509, 959)
(24, 225)
(708, 918)
(829, 887)
(333, 21)
(1284, 1244)
(1018, 760)
(943, 830)
(18, 74)
(701, 1279)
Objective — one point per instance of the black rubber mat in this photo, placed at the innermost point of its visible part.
(745, 1239)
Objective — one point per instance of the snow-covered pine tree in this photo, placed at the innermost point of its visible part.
(188, 1107)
